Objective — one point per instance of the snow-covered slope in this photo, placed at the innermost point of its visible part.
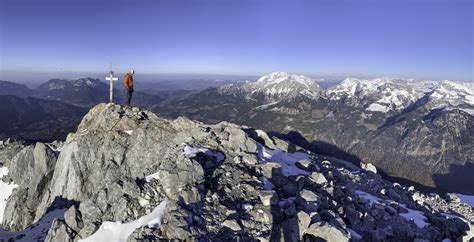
(452, 94)
(6, 190)
(281, 83)
(374, 95)
(378, 95)
(393, 94)
(278, 86)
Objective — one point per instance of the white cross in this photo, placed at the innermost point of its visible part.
(111, 78)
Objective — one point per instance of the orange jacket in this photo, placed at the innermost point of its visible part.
(128, 82)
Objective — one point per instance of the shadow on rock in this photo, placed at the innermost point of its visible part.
(459, 177)
(60, 202)
(318, 147)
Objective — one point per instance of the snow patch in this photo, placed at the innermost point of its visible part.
(191, 152)
(37, 231)
(452, 216)
(152, 176)
(129, 132)
(286, 160)
(371, 198)
(468, 199)
(6, 190)
(375, 107)
(470, 111)
(119, 232)
(247, 206)
(416, 216)
(55, 148)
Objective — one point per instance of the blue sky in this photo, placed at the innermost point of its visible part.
(424, 39)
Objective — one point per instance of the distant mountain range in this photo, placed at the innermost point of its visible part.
(85, 92)
(15, 89)
(188, 85)
(37, 119)
(416, 130)
(88, 92)
(81, 92)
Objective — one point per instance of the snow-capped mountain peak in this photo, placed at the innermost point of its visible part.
(395, 94)
(279, 84)
(281, 77)
(452, 95)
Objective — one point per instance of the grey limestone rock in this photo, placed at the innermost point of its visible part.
(327, 232)
(232, 224)
(318, 178)
(59, 231)
(31, 169)
(121, 163)
(73, 219)
(308, 196)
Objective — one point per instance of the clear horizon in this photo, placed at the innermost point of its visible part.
(322, 39)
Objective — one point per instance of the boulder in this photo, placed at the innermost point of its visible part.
(368, 167)
(327, 232)
(268, 197)
(232, 224)
(59, 231)
(304, 220)
(318, 178)
(304, 164)
(73, 219)
(308, 196)
(23, 207)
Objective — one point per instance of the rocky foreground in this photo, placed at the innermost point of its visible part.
(128, 175)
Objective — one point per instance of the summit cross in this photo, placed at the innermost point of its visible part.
(111, 78)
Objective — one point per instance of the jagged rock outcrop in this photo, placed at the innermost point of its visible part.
(152, 178)
(31, 170)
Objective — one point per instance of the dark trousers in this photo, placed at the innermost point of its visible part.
(129, 96)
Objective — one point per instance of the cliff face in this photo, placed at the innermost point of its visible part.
(127, 174)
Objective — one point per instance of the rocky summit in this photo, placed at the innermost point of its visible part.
(129, 175)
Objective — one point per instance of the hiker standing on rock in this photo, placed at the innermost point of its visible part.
(128, 83)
